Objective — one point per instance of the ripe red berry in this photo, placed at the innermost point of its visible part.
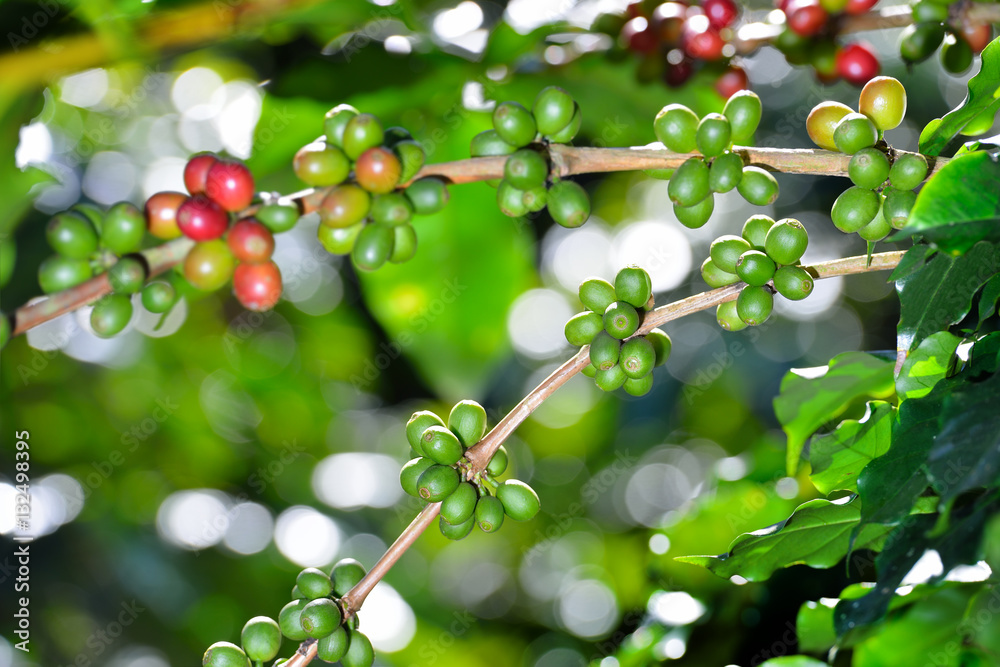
(637, 36)
(257, 286)
(978, 35)
(161, 214)
(702, 41)
(377, 170)
(250, 241)
(806, 17)
(720, 13)
(732, 81)
(667, 21)
(230, 184)
(677, 73)
(201, 219)
(859, 6)
(857, 63)
(196, 171)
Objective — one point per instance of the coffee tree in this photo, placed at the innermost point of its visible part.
(872, 538)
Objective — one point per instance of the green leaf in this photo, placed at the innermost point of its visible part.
(985, 355)
(988, 299)
(940, 293)
(983, 93)
(814, 627)
(912, 261)
(806, 403)
(817, 534)
(837, 458)
(794, 661)
(959, 205)
(926, 365)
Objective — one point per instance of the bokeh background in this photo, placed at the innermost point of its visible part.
(183, 474)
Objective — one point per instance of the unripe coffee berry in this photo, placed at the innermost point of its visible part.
(373, 247)
(725, 250)
(320, 617)
(378, 170)
(786, 241)
(250, 241)
(633, 286)
(457, 531)
(854, 208)
(758, 186)
(908, 171)
(224, 654)
(621, 320)
(565, 135)
(498, 464)
(332, 647)
(460, 505)
(158, 296)
(514, 124)
(897, 206)
(854, 132)
(111, 315)
(344, 206)
(535, 199)
(289, 620)
(695, 217)
(725, 173)
(604, 351)
(661, 346)
(755, 230)
(637, 357)
(728, 318)
(437, 483)
(321, 165)
(467, 420)
(196, 172)
(71, 235)
(230, 185)
(489, 514)
(161, 214)
(638, 386)
(392, 209)
(257, 286)
(488, 143)
(441, 445)
(346, 574)
(716, 277)
(362, 132)
(675, 127)
(418, 423)
(883, 100)
(553, 110)
(689, 184)
(568, 204)
(202, 219)
(754, 305)
(411, 157)
(589, 371)
(956, 53)
(335, 122)
(525, 169)
(359, 651)
(743, 109)
(918, 41)
(410, 474)
(793, 282)
(337, 240)
(314, 583)
(868, 168)
(428, 195)
(57, 273)
(123, 228)
(510, 200)
(597, 294)
(520, 502)
(209, 265)
(611, 378)
(823, 120)
(877, 229)
(713, 135)
(277, 217)
(261, 638)
(755, 268)
(127, 275)
(404, 244)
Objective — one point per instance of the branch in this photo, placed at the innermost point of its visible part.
(566, 161)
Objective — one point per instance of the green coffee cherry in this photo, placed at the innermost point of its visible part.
(868, 168)
(428, 195)
(695, 216)
(661, 346)
(297, 594)
(793, 282)
(359, 651)
(956, 54)
(758, 186)
(725, 173)
(510, 200)
(822, 122)
(676, 126)
(111, 315)
(339, 240)
(883, 100)
(716, 277)
(565, 135)
(918, 41)
(71, 235)
(437, 483)
(396, 134)
(854, 132)
(404, 244)
(535, 199)
(610, 379)
(525, 169)
(725, 250)
(332, 647)
(362, 132)
(314, 583)
(373, 247)
(346, 574)
(854, 208)
(638, 356)
(460, 505)
(743, 109)
(127, 275)
(489, 514)
(489, 143)
(457, 531)
(728, 318)
(261, 638)
(320, 165)
(597, 294)
(604, 351)
(897, 206)
(224, 654)
(336, 121)
(786, 241)
(345, 206)
(568, 204)
(877, 229)
(159, 296)
(754, 305)
(633, 286)
(92, 213)
(638, 386)
(392, 209)
(690, 183)
(498, 464)
(411, 158)
(908, 171)
(621, 320)
(514, 124)
(278, 218)
(467, 420)
(755, 268)
(320, 617)
(289, 620)
(520, 502)
(582, 327)
(714, 135)
(589, 371)
(755, 230)
(123, 228)
(5, 330)
(411, 472)
(441, 445)
(553, 109)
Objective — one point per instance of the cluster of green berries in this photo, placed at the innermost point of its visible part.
(618, 357)
(934, 25)
(718, 168)
(882, 195)
(523, 135)
(313, 613)
(436, 474)
(765, 257)
(367, 214)
(89, 241)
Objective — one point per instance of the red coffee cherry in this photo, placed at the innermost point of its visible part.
(859, 6)
(720, 13)
(677, 73)
(978, 35)
(732, 81)
(161, 214)
(857, 63)
(636, 35)
(377, 170)
(257, 286)
(230, 184)
(201, 219)
(250, 241)
(806, 17)
(701, 41)
(196, 171)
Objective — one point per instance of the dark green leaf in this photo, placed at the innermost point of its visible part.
(837, 458)
(806, 403)
(912, 261)
(985, 355)
(983, 89)
(988, 299)
(926, 365)
(940, 293)
(959, 205)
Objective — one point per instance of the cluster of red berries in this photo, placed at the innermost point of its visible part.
(225, 247)
(671, 38)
